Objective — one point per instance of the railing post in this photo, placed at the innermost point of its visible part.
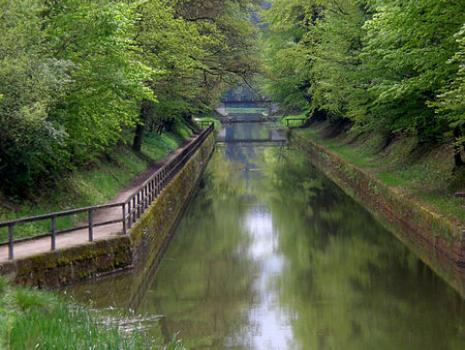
(146, 196)
(138, 204)
(91, 224)
(54, 232)
(10, 242)
(125, 231)
(152, 190)
(134, 209)
(129, 214)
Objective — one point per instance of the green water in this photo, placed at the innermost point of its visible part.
(272, 255)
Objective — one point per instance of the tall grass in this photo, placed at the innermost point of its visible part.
(31, 319)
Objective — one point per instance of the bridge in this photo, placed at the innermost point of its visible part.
(247, 102)
(255, 119)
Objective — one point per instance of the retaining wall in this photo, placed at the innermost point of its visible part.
(437, 240)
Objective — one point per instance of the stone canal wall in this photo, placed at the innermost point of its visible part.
(145, 241)
(438, 241)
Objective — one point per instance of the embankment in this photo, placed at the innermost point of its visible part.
(438, 241)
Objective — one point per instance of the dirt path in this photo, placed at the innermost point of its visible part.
(79, 237)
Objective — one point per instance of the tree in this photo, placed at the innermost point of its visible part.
(97, 38)
(407, 50)
(200, 49)
(31, 81)
(387, 66)
(286, 54)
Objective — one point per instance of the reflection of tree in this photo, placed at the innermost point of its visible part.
(345, 282)
(350, 284)
(205, 280)
(224, 179)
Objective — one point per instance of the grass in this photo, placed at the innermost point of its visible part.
(31, 319)
(92, 185)
(426, 175)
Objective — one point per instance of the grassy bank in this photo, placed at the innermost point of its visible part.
(94, 184)
(31, 319)
(426, 175)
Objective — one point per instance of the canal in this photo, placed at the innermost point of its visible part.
(272, 255)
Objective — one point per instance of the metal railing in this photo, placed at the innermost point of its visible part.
(131, 209)
(301, 122)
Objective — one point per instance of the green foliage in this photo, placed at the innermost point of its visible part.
(31, 145)
(200, 49)
(96, 38)
(390, 66)
(285, 54)
(407, 52)
(451, 102)
(75, 74)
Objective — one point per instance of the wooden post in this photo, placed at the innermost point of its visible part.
(134, 209)
(91, 225)
(129, 214)
(54, 232)
(138, 204)
(10, 242)
(125, 230)
(146, 195)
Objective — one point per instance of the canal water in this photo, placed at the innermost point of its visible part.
(272, 255)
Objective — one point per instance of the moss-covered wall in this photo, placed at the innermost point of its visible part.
(435, 239)
(145, 243)
(62, 267)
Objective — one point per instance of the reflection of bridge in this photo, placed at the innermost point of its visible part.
(274, 137)
(256, 141)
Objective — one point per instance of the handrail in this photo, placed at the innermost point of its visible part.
(132, 208)
(58, 214)
(302, 120)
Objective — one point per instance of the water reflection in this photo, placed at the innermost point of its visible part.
(272, 255)
(251, 132)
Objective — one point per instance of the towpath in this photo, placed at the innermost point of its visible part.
(79, 237)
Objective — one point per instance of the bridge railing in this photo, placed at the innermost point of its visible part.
(130, 210)
(300, 122)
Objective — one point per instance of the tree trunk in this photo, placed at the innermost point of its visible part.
(140, 128)
(458, 147)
